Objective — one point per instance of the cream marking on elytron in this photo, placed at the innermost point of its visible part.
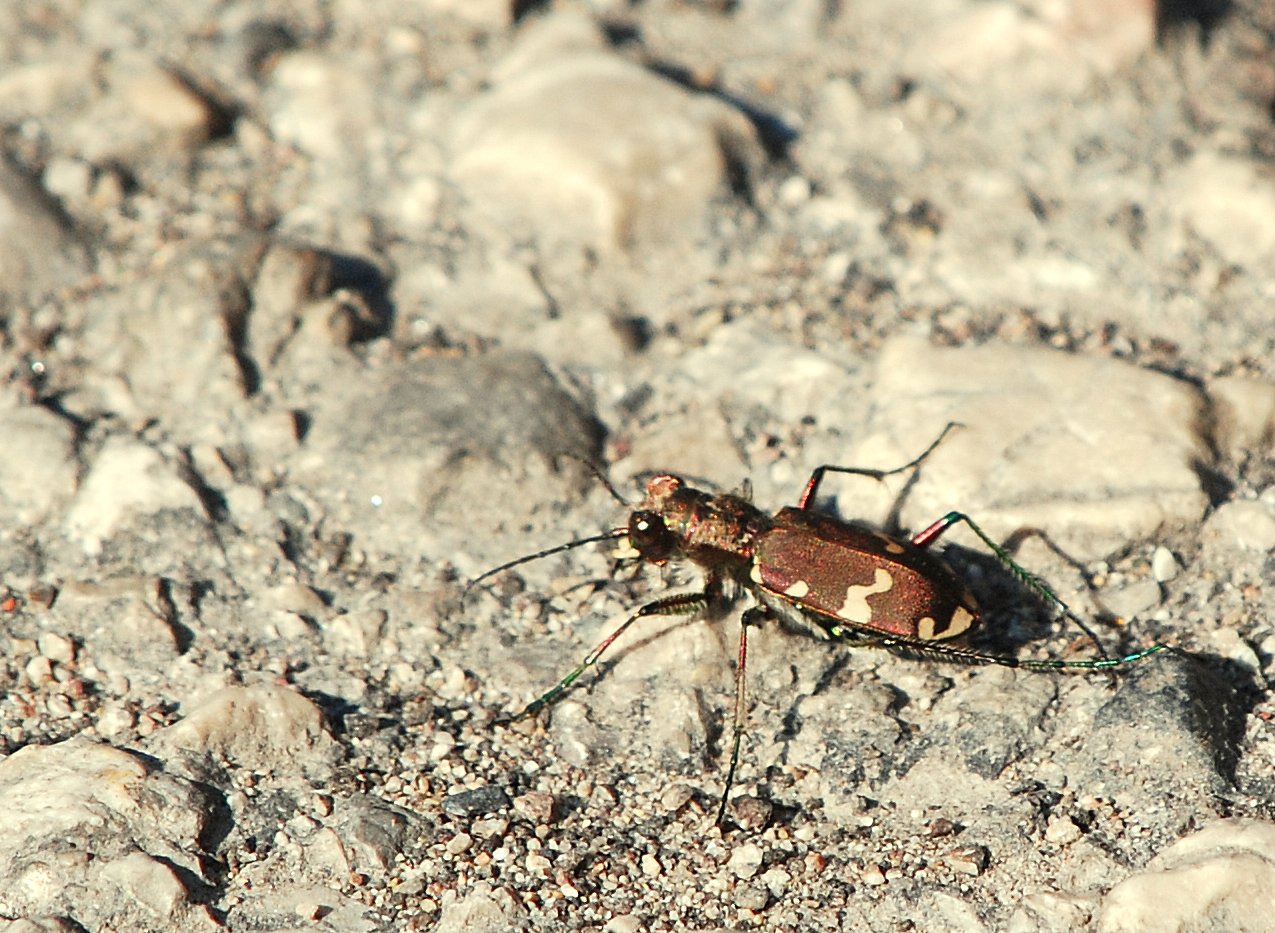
(856, 608)
(961, 621)
(798, 590)
(891, 546)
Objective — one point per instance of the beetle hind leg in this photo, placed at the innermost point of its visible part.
(1024, 576)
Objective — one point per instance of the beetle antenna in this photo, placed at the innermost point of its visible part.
(599, 476)
(528, 558)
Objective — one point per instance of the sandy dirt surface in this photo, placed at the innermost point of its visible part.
(312, 312)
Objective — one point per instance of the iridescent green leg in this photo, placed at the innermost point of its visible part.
(940, 651)
(679, 604)
(1021, 573)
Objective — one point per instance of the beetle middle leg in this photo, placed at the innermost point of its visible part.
(812, 485)
(754, 615)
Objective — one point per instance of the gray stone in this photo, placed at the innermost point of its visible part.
(476, 801)
(413, 449)
(1095, 452)
(1171, 731)
(1026, 48)
(144, 113)
(125, 622)
(1244, 524)
(278, 906)
(95, 833)
(1228, 201)
(263, 728)
(1220, 878)
(373, 833)
(1245, 411)
(128, 485)
(44, 84)
(587, 147)
(38, 470)
(490, 14)
(38, 251)
(40, 925)
(1133, 601)
(480, 909)
(304, 87)
(167, 344)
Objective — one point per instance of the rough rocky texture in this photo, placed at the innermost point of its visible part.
(1216, 879)
(309, 315)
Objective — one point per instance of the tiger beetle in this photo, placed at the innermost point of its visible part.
(850, 582)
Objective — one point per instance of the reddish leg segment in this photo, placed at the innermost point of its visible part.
(812, 485)
(752, 616)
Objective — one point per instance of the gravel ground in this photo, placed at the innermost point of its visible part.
(314, 312)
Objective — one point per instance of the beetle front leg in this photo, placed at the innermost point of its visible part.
(679, 604)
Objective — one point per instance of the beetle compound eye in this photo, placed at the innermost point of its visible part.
(649, 535)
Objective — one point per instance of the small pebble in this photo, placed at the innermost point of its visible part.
(752, 897)
(536, 806)
(776, 881)
(625, 923)
(1244, 524)
(538, 864)
(1133, 600)
(1062, 830)
(309, 910)
(651, 866)
(39, 670)
(676, 796)
(489, 828)
(872, 876)
(753, 813)
(745, 860)
(57, 648)
(114, 719)
(1164, 566)
(967, 860)
(42, 596)
(459, 843)
(476, 802)
(940, 826)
